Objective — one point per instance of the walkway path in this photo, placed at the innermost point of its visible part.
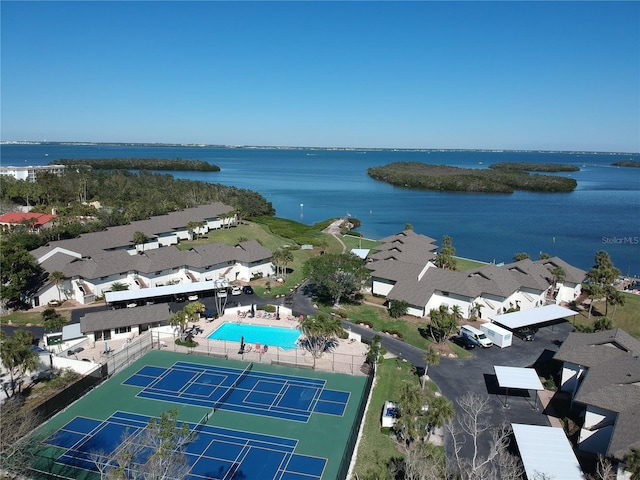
(334, 230)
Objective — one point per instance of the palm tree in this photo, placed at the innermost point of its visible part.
(276, 259)
(559, 276)
(430, 357)
(119, 287)
(286, 257)
(57, 278)
(179, 320)
(319, 332)
(440, 412)
(192, 227)
(139, 238)
(456, 313)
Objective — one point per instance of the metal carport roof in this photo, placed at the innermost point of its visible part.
(532, 316)
(516, 377)
(546, 453)
(167, 290)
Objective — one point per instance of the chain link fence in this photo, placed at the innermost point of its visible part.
(297, 357)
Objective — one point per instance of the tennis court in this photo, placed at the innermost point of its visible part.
(259, 421)
(245, 391)
(214, 453)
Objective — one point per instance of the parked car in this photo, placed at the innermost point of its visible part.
(527, 334)
(247, 290)
(192, 298)
(464, 342)
(210, 314)
(236, 290)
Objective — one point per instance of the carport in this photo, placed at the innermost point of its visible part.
(546, 453)
(520, 378)
(532, 316)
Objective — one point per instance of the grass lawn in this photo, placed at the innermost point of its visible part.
(352, 241)
(626, 317)
(463, 264)
(29, 319)
(378, 446)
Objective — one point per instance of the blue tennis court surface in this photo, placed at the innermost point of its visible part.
(215, 453)
(285, 397)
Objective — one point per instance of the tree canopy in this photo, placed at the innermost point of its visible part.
(337, 275)
(320, 330)
(445, 258)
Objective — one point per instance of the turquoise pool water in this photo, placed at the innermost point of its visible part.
(272, 336)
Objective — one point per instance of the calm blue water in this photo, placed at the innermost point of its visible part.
(312, 185)
(284, 338)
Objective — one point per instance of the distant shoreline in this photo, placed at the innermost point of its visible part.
(285, 147)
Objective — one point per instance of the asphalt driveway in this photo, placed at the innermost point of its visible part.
(456, 377)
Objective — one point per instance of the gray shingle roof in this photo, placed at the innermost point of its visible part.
(125, 317)
(90, 244)
(572, 274)
(612, 381)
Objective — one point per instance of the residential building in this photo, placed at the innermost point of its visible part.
(29, 173)
(93, 262)
(403, 269)
(35, 221)
(601, 371)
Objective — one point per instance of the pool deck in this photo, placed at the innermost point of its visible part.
(345, 356)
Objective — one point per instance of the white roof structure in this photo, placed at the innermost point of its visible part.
(515, 377)
(532, 316)
(546, 451)
(181, 288)
(361, 252)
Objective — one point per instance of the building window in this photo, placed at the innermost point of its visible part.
(123, 329)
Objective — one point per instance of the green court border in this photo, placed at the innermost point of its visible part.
(323, 436)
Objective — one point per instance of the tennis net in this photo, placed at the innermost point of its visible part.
(233, 386)
(198, 428)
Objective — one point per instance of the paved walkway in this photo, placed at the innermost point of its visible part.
(334, 230)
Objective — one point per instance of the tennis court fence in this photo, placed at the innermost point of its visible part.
(129, 353)
(298, 357)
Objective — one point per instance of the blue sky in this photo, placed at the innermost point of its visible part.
(503, 75)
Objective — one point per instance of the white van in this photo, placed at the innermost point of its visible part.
(475, 335)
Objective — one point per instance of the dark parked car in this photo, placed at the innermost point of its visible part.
(247, 290)
(464, 342)
(525, 333)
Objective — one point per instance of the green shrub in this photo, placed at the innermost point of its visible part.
(270, 308)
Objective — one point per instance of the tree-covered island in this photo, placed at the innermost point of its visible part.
(454, 179)
(534, 167)
(159, 164)
(627, 163)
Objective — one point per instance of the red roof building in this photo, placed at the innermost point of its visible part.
(36, 220)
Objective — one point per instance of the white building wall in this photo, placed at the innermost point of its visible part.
(381, 287)
(571, 374)
(450, 300)
(567, 292)
(592, 439)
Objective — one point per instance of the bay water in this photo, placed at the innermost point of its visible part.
(311, 185)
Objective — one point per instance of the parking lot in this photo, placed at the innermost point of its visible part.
(456, 377)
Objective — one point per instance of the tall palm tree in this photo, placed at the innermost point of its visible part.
(276, 259)
(286, 258)
(57, 278)
(430, 357)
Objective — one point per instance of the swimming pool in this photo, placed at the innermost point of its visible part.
(284, 338)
